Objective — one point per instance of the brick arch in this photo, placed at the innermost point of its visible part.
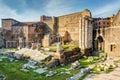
(100, 38)
(100, 42)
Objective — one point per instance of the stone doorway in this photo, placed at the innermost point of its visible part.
(100, 43)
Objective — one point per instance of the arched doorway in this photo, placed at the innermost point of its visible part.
(100, 43)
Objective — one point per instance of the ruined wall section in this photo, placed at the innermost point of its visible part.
(1, 38)
(79, 26)
(112, 37)
(31, 33)
(85, 32)
(112, 41)
(51, 26)
(69, 23)
(116, 21)
(50, 22)
(7, 23)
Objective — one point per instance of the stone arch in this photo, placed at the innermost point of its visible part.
(100, 39)
(100, 43)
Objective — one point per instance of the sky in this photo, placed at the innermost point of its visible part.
(31, 10)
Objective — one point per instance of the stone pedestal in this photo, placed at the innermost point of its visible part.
(38, 46)
(33, 46)
(20, 43)
(59, 48)
(46, 41)
(28, 45)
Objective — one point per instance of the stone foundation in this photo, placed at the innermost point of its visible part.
(86, 51)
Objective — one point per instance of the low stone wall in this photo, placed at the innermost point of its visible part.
(71, 53)
(70, 56)
(86, 51)
(75, 57)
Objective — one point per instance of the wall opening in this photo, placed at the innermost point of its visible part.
(112, 47)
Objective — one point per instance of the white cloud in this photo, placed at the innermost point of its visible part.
(50, 8)
(107, 9)
(57, 7)
(28, 15)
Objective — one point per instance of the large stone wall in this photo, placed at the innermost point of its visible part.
(112, 41)
(51, 27)
(50, 22)
(112, 37)
(1, 41)
(20, 31)
(69, 23)
(6, 24)
(116, 21)
(79, 26)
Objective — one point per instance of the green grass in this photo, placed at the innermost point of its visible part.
(69, 47)
(12, 71)
(84, 76)
(53, 49)
(118, 61)
(85, 62)
(65, 47)
(9, 49)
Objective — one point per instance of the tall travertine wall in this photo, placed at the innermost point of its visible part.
(116, 21)
(112, 41)
(7, 23)
(51, 23)
(1, 38)
(79, 26)
(112, 37)
(69, 23)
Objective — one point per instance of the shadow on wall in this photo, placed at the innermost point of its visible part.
(66, 38)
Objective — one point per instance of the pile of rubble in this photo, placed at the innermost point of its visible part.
(31, 64)
(2, 77)
(41, 70)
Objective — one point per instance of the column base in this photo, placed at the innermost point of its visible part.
(86, 51)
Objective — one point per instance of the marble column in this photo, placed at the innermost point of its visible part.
(38, 46)
(20, 43)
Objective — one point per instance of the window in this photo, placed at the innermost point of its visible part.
(112, 47)
(99, 23)
(96, 24)
(103, 22)
(99, 31)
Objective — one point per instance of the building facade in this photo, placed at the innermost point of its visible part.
(99, 26)
(1, 38)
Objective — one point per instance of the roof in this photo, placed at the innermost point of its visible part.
(19, 24)
(8, 19)
(116, 18)
(24, 23)
(29, 23)
(0, 29)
